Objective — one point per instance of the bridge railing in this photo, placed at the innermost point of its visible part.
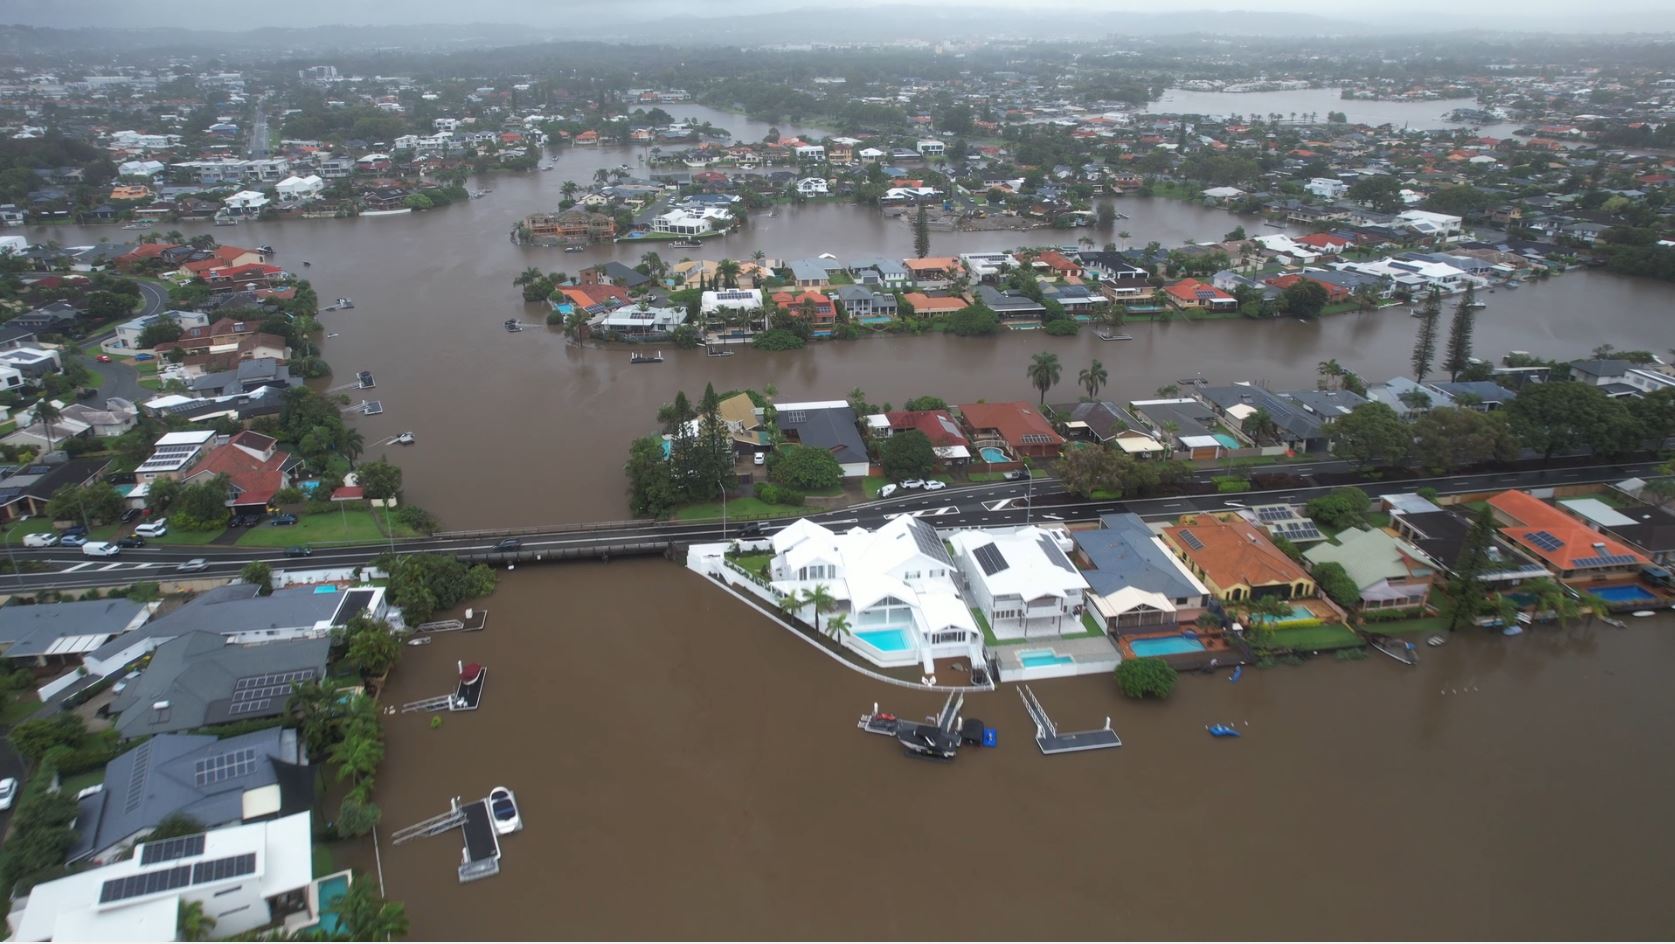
(576, 528)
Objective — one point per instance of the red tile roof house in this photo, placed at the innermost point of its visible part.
(1323, 243)
(1191, 293)
(1567, 547)
(222, 335)
(825, 313)
(1017, 426)
(255, 468)
(939, 426)
(1059, 264)
(1334, 293)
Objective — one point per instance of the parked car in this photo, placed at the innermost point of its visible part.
(103, 358)
(40, 539)
(153, 529)
(193, 565)
(131, 541)
(245, 521)
(145, 357)
(73, 540)
(510, 544)
(280, 520)
(913, 483)
(300, 551)
(1017, 475)
(100, 549)
(761, 458)
(80, 529)
(130, 515)
(751, 529)
(933, 485)
(887, 490)
(8, 792)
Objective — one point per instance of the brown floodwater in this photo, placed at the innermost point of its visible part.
(691, 771)
(527, 429)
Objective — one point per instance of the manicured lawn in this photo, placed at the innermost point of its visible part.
(738, 509)
(1091, 624)
(36, 525)
(1310, 638)
(1419, 626)
(983, 624)
(347, 527)
(151, 383)
(73, 785)
(753, 563)
(984, 477)
(177, 536)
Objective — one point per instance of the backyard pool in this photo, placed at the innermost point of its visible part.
(1226, 440)
(1167, 646)
(885, 640)
(1042, 657)
(991, 454)
(1298, 614)
(1624, 594)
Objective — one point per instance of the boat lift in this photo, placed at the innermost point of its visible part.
(1051, 741)
(467, 695)
(481, 856)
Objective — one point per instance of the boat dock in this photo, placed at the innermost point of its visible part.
(467, 694)
(475, 620)
(878, 722)
(1048, 737)
(481, 856)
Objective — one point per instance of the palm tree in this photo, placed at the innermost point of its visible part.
(821, 600)
(758, 257)
(317, 711)
(569, 189)
(353, 445)
(1259, 426)
(601, 175)
(837, 626)
(46, 414)
(192, 923)
(1331, 373)
(1044, 373)
(728, 271)
(1262, 612)
(1124, 237)
(528, 276)
(367, 916)
(1092, 378)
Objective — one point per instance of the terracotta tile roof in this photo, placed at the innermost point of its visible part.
(931, 262)
(1556, 538)
(1192, 290)
(923, 304)
(1018, 423)
(256, 479)
(937, 425)
(1232, 552)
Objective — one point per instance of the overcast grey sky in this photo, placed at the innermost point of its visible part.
(1598, 15)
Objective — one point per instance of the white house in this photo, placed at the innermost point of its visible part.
(1426, 223)
(245, 877)
(809, 152)
(896, 587)
(128, 333)
(1021, 581)
(268, 169)
(295, 190)
(930, 147)
(985, 264)
(1416, 274)
(246, 203)
(812, 186)
(1327, 188)
(869, 154)
(140, 168)
(731, 299)
(634, 320)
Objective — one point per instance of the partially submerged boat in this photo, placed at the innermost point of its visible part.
(503, 806)
(404, 439)
(1221, 730)
(419, 641)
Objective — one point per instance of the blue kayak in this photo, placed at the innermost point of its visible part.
(1221, 730)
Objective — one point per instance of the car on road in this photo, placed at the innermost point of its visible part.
(913, 483)
(1017, 475)
(130, 515)
(131, 541)
(73, 540)
(280, 520)
(751, 529)
(40, 539)
(78, 529)
(299, 551)
(100, 549)
(153, 529)
(8, 792)
(935, 485)
(103, 358)
(887, 490)
(192, 566)
(510, 544)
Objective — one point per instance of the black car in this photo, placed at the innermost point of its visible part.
(510, 544)
(130, 515)
(131, 541)
(302, 551)
(1017, 475)
(752, 529)
(278, 520)
(76, 531)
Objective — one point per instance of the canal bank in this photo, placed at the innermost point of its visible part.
(692, 771)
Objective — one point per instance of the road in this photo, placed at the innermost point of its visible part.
(259, 130)
(118, 378)
(994, 504)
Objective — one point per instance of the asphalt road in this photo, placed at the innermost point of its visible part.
(987, 505)
(119, 379)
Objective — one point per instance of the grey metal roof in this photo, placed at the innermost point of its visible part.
(197, 674)
(161, 777)
(236, 608)
(32, 630)
(1006, 301)
(1484, 390)
(828, 428)
(1103, 417)
(1123, 554)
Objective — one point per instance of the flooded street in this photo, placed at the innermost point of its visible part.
(692, 771)
(1421, 115)
(526, 429)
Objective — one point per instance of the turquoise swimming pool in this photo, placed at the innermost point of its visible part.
(329, 892)
(1169, 646)
(991, 454)
(1225, 440)
(1298, 614)
(1042, 657)
(886, 640)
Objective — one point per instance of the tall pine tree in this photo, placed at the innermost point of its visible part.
(1458, 357)
(921, 234)
(1425, 345)
(1466, 594)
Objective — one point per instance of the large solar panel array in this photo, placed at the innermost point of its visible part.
(258, 692)
(217, 870)
(1604, 560)
(168, 457)
(1298, 531)
(989, 558)
(146, 883)
(225, 766)
(1545, 540)
(1271, 513)
(170, 849)
(1190, 540)
(929, 544)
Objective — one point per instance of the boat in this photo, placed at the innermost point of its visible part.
(686, 244)
(1108, 336)
(504, 808)
(653, 358)
(226, 222)
(404, 439)
(419, 641)
(1273, 223)
(1513, 630)
(1609, 621)
(927, 740)
(135, 225)
(575, 248)
(718, 352)
(1221, 730)
(1512, 284)
(1477, 306)
(1641, 614)
(266, 250)
(1437, 640)
(513, 326)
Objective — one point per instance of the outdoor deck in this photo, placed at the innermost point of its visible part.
(482, 847)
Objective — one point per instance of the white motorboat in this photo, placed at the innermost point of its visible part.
(419, 641)
(404, 439)
(503, 806)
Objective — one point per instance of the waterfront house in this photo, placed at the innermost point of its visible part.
(1057, 263)
(1020, 581)
(933, 272)
(1620, 378)
(1569, 548)
(813, 274)
(613, 273)
(638, 321)
(1408, 398)
(1134, 584)
(1442, 534)
(1193, 294)
(1431, 225)
(1076, 299)
(812, 187)
(745, 301)
(1017, 427)
(48, 635)
(243, 877)
(949, 441)
(1301, 418)
(1185, 424)
(929, 306)
(815, 308)
(1102, 421)
(986, 266)
(863, 304)
(895, 586)
(1649, 529)
(1010, 305)
(1389, 573)
(296, 191)
(1235, 560)
(1481, 395)
(246, 377)
(247, 778)
(196, 679)
(247, 203)
(829, 425)
(1334, 292)
(572, 225)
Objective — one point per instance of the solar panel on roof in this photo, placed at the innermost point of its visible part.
(145, 883)
(1545, 540)
(1190, 540)
(217, 870)
(170, 849)
(212, 770)
(989, 558)
(1274, 513)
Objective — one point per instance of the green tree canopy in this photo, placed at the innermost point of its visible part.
(1340, 508)
(1146, 678)
(1371, 433)
(907, 455)
(805, 468)
(1557, 416)
(380, 479)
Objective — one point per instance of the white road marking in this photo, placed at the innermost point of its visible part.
(110, 567)
(73, 569)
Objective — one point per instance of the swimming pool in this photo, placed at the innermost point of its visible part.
(1624, 594)
(1298, 614)
(1226, 440)
(1042, 657)
(328, 892)
(1168, 646)
(886, 640)
(991, 454)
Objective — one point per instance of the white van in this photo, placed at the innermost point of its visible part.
(100, 549)
(153, 529)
